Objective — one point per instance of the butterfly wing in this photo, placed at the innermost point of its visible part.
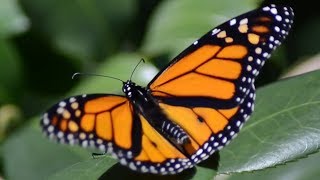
(209, 128)
(218, 69)
(109, 122)
(97, 120)
(208, 89)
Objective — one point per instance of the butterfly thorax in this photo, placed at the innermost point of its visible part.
(149, 108)
(138, 96)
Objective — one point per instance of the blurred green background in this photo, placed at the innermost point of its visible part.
(43, 42)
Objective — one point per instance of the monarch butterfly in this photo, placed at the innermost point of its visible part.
(192, 108)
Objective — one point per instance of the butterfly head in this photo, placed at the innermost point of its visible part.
(128, 88)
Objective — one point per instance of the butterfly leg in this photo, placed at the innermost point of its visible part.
(97, 155)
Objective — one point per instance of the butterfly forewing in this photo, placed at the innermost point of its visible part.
(97, 120)
(218, 69)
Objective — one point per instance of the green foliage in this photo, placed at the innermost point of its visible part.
(167, 32)
(42, 43)
(12, 20)
(284, 127)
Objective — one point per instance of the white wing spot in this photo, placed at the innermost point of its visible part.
(244, 79)
(270, 46)
(266, 8)
(278, 18)
(274, 11)
(244, 21)
(72, 99)
(233, 22)
(271, 38)
(232, 133)
(215, 31)
(258, 50)
(238, 123)
(50, 129)
(224, 140)
(258, 61)
(60, 110)
(62, 104)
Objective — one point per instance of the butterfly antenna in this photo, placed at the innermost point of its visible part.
(90, 74)
(141, 60)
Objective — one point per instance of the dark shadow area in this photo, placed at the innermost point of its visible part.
(121, 172)
(212, 162)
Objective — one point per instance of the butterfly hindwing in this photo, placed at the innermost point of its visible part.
(218, 69)
(217, 126)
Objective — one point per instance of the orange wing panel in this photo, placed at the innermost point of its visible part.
(87, 122)
(233, 52)
(229, 112)
(152, 152)
(142, 156)
(213, 118)
(102, 104)
(221, 68)
(193, 84)
(199, 122)
(122, 125)
(156, 147)
(63, 125)
(208, 71)
(187, 64)
(104, 126)
(189, 121)
(260, 29)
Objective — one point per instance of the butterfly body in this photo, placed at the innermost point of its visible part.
(148, 107)
(192, 108)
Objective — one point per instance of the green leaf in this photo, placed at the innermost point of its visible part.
(307, 168)
(284, 127)
(12, 20)
(10, 66)
(29, 155)
(90, 169)
(82, 30)
(176, 24)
